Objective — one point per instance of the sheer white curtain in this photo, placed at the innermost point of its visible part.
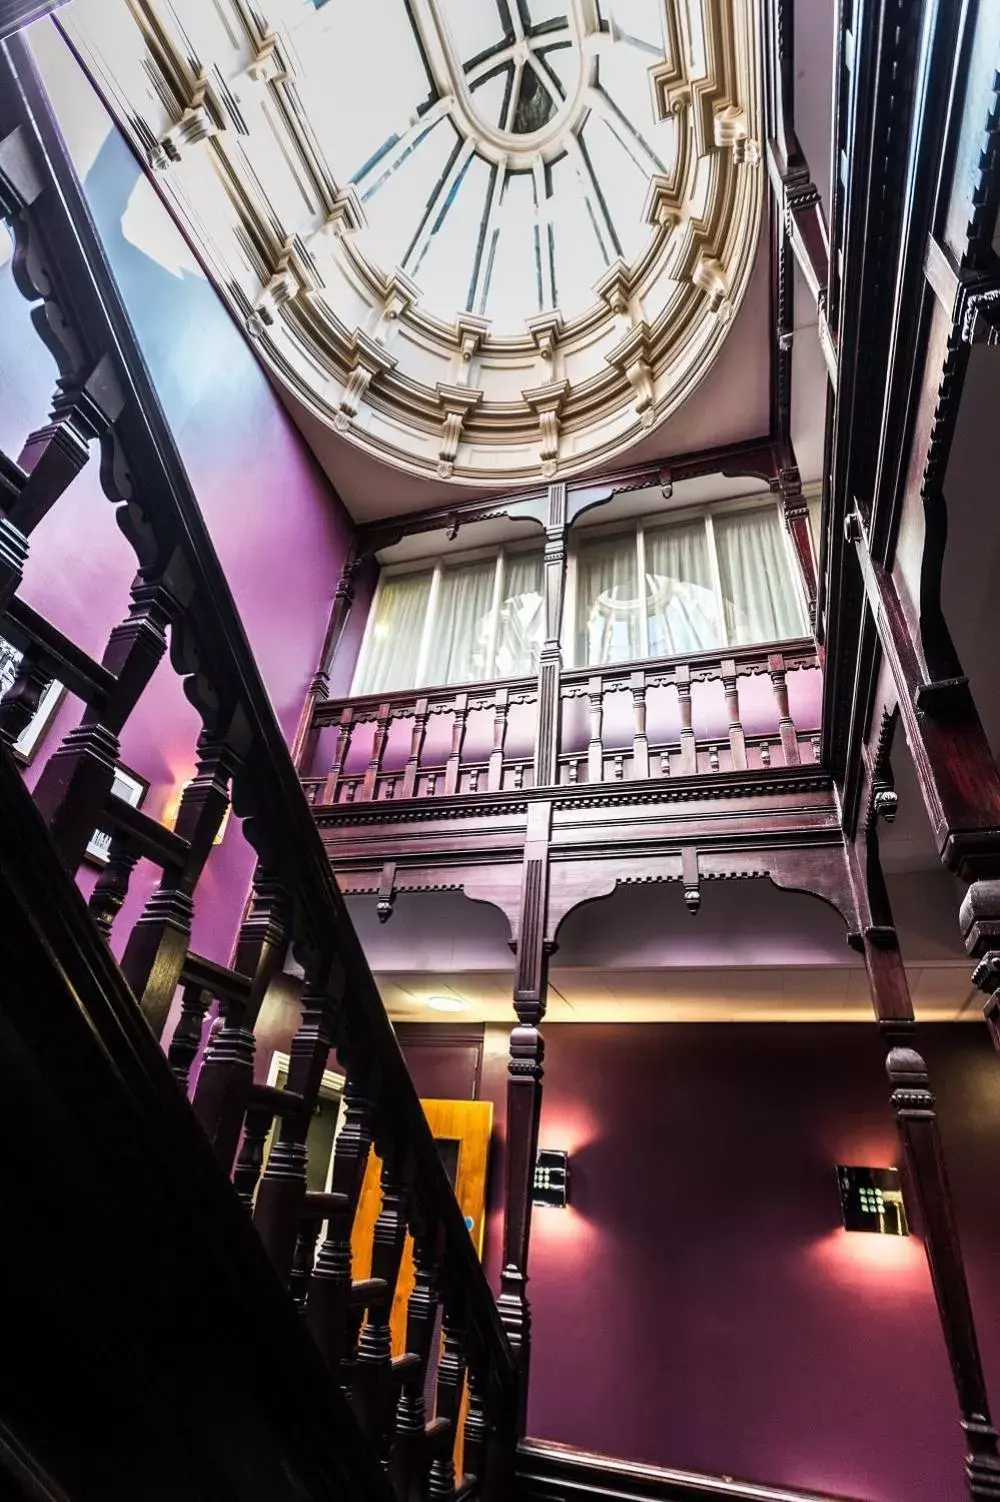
(681, 606)
(392, 647)
(758, 591)
(521, 626)
(460, 630)
(607, 602)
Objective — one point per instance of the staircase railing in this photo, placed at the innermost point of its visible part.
(180, 594)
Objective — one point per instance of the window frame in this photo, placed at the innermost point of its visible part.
(435, 568)
(657, 521)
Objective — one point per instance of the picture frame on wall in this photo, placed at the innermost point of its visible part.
(31, 736)
(133, 789)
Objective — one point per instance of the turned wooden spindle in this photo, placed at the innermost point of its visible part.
(54, 455)
(372, 1387)
(184, 1045)
(109, 894)
(328, 1307)
(408, 1463)
(786, 726)
(689, 754)
(417, 735)
(640, 745)
(282, 1190)
(457, 741)
(501, 701)
(158, 944)
(345, 730)
(737, 740)
(76, 781)
(595, 745)
(20, 703)
(225, 1079)
(476, 1434)
(381, 736)
(246, 1172)
(450, 1380)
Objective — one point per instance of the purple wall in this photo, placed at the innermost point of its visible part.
(280, 530)
(700, 1289)
(713, 1313)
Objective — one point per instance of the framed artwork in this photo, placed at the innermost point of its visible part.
(30, 738)
(133, 789)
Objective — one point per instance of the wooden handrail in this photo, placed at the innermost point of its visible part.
(181, 585)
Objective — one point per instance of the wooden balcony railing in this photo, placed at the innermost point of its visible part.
(714, 713)
(105, 393)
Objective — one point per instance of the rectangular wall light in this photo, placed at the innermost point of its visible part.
(551, 1185)
(871, 1199)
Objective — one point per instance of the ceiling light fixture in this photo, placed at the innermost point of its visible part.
(447, 1003)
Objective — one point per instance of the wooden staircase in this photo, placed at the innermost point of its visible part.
(172, 1329)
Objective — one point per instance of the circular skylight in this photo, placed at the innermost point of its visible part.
(487, 240)
(502, 150)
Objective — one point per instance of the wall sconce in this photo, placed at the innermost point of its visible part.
(871, 1200)
(551, 1183)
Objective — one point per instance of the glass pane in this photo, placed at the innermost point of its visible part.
(392, 647)
(460, 633)
(760, 596)
(607, 612)
(681, 605)
(521, 626)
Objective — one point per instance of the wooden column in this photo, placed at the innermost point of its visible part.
(916, 1122)
(550, 659)
(524, 1087)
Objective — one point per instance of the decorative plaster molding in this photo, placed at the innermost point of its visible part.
(585, 387)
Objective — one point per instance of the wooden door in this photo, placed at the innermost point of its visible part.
(461, 1128)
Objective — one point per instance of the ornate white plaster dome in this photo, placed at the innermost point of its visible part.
(484, 239)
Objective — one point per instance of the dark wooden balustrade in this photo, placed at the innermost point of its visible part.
(180, 597)
(657, 695)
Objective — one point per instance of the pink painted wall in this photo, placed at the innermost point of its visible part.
(714, 1314)
(280, 530)
(700, 1289)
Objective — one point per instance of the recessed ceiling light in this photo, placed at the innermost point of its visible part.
(446, 1003)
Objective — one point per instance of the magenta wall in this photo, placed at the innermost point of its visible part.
(713, 1314)
(280, 531)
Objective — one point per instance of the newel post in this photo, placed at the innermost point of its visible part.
(524, 1088)
(550, 660)
(914, 1110)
